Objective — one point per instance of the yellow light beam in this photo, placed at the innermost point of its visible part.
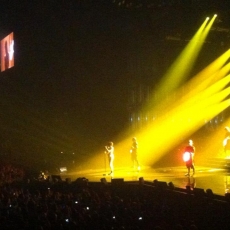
(213, 145)
(197, 84)
(176, 122)
(210, 70)
(168, 130)
(182, 65)
(165, 133)
(173, 115)
(208, 27)
(196, 96)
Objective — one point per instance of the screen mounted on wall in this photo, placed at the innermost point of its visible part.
(7, 52)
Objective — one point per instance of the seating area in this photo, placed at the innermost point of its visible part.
(81, 204)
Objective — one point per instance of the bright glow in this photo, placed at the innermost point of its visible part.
(208, 27)
(186, 156)
(11, 50)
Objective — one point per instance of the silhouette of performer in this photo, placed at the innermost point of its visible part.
(226, 139)
(189, 152)
(133, 152)
(6, 56)
(109, 150)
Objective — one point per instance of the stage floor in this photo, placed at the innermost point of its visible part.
(218, 180)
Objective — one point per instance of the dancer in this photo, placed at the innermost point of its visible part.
(226, 139)
(109, 150)
(189, 153)
(133, 152)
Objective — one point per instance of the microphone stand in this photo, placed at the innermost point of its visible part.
(105, 162)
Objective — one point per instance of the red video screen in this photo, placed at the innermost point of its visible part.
(7, 52)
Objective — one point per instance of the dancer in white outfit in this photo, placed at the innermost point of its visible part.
(109, 149)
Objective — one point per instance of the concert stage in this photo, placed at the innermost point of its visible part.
(214, 178)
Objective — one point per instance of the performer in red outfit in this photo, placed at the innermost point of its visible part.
(189, 153)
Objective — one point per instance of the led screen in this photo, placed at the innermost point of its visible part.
(7, 52)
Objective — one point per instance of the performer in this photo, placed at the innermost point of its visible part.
(226, 139)
(109, 149)
(189, 153)
(133, 152)
(6, 56)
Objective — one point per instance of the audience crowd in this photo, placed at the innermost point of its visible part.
(49, 204)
